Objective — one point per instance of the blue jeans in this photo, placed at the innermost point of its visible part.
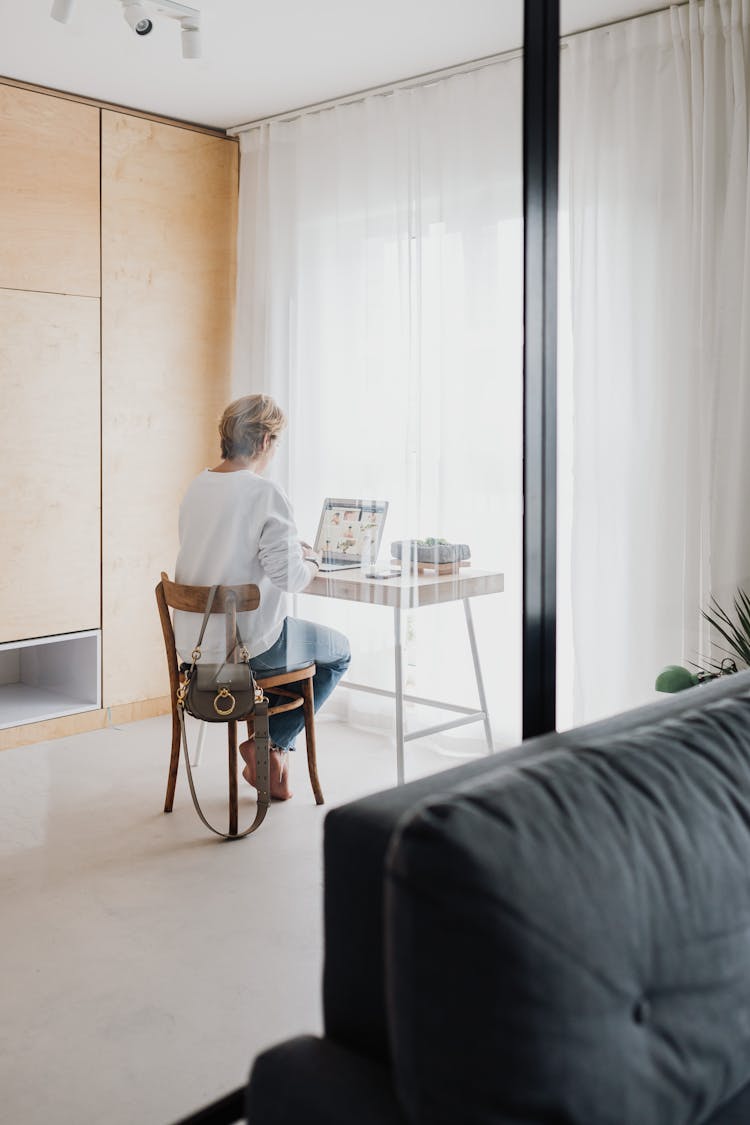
(300, 643)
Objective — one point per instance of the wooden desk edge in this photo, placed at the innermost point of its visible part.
(410, 592)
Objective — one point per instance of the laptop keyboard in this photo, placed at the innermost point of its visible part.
(339, 564)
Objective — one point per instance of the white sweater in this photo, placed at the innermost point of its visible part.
(234, 528)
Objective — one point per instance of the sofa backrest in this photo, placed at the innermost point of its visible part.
(357, 838)
(569, 941)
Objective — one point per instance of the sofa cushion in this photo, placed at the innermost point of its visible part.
(570, 940)
(357, 836)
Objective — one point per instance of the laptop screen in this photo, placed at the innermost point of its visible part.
(351, 529)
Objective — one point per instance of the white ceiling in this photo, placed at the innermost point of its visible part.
(264, 57)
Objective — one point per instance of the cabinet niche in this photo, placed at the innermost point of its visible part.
(48, 677)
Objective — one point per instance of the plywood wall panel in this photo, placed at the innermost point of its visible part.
(49, 437)
(49, 193)
(169, 210)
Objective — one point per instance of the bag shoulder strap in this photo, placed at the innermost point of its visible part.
(260, 712)
(206, 615)
(263, 772)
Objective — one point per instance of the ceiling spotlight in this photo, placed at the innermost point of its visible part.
(140, 17)
(61, 10)
(137, 16)
(191, 38)
(189, 19)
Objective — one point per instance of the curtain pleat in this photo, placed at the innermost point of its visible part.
(656, 154)
(380, 301)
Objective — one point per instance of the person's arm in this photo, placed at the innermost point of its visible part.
(288, 564)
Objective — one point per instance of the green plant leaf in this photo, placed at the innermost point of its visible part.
(736, 634)
(743, 615)
(737, 643)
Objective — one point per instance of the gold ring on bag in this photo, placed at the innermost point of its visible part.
(224, 693)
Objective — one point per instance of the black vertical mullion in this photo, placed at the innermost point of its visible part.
(541, 98)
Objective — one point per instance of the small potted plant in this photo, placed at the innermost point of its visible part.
(737, 636)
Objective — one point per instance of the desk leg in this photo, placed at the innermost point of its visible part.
(399, 695)
(478, 674)
(202, 728)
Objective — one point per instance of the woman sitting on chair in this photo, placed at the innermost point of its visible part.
(237, 527)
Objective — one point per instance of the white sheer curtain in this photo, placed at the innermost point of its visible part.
(380, 301)
(654, 452)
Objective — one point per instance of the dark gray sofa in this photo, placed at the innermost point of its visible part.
(556, 935)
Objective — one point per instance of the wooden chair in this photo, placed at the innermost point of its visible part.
(237, 599)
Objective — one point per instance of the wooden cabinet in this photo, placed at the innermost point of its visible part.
(115, 341)
(49, 450)
(49, 193)
(169, 199)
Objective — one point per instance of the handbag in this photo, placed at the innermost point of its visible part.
(223, 693)
(216, 693)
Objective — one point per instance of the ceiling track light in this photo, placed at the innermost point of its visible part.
(189, 19)
(61, 10)
(139, 15)
(191, 40)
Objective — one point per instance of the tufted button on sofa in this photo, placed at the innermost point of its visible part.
(558, 935)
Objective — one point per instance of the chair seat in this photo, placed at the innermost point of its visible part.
(268, 672)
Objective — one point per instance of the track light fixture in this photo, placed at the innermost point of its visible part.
(61, 10)
(189, 20)
(191, 39)
(139, 14)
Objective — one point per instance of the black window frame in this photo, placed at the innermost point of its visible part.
(541, 106)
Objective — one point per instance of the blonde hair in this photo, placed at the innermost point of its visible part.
(245, 423)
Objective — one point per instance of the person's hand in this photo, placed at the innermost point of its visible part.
(309, 555)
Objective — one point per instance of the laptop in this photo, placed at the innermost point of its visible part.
(349, 532)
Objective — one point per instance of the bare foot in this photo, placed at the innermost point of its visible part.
(278, 768)
(278, 761)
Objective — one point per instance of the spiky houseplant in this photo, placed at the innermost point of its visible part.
(735, 633)
(737, 636)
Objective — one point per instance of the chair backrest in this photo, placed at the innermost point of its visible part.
(193, 599)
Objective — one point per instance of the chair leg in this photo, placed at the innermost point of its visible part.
(174, 762)
(312, 764)
(232, 741)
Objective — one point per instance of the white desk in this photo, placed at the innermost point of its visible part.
(406, 592)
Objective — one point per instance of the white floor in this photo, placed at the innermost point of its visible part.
(144, 963)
